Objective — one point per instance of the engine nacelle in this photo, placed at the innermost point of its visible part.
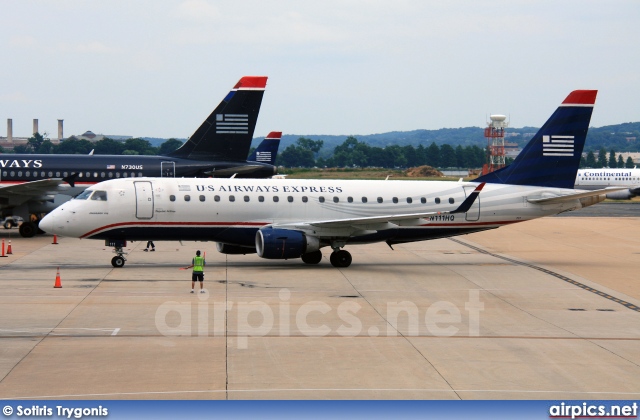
(282, 244)
(620, 195)
(234, 249)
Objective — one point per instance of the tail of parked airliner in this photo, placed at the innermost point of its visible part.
(227, 133)
(267, 150)
(552, 157)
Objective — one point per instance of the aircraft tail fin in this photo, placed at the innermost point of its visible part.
(267, 150)
(228, 131)
(552, 157)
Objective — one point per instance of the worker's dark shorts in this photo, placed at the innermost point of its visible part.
(197, 277)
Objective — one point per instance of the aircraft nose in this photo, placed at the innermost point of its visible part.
(48, 223)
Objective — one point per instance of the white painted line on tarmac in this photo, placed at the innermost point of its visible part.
(217, 391)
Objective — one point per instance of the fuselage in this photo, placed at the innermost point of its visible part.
(592, 179)
(232, 210)
(91, 169)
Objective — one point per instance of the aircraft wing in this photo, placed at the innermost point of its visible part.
(227, 172)
(43, 186)
(571, 197)
(376, 223)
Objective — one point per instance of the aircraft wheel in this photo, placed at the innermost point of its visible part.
(8, 224)
(117, 261)
(28, 230)
(341, 259)
(312, 257)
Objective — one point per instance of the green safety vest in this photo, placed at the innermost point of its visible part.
(198, 264)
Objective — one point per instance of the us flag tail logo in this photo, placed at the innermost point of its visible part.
(558, 145)
(263, 156)
(232, 124)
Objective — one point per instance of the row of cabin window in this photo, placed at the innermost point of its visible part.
(276, 199)
(609, 179)
(65, 174)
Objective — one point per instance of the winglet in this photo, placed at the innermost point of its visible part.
(71, 179)
(468, 202)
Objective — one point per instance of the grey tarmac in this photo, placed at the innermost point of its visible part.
(536, 310)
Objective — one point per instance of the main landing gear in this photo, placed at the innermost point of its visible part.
(312, 257)
(339, 258)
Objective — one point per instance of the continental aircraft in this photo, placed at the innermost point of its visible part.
(595, 179)
(36, 184)
(284, 219)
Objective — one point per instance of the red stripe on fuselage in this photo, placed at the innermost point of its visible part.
(258, 224)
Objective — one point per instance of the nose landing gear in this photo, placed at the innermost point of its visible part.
(118, 245)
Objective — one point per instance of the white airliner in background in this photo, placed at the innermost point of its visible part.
(283, 219)
(595, 179)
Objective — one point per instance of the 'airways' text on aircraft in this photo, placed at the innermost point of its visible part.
(20, 163)
(265, 189)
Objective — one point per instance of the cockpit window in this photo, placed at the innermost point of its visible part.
(99, 196)
(84, 195)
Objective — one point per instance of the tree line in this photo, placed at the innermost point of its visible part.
(304, 153)
(602, 161)
(135, 146)
(354, 153)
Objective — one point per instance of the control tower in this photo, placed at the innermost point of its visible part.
(494, 133)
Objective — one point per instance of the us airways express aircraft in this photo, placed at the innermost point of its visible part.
(282, 219)
(36, 184)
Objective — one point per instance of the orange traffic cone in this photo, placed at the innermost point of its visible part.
(9, 248)
(2, 248)
(55, 240)
(58, 282)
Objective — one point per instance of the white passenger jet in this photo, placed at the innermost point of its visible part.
(283, 219)
(595, 179)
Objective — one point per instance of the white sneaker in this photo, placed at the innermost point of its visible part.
(192, 291)
(201, 291)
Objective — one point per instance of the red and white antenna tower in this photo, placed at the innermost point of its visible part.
(494, 133)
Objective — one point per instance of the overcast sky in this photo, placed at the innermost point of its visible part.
(157, 68)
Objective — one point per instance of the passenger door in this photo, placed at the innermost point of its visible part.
(167, 169)
(144, 199)
(473, 214)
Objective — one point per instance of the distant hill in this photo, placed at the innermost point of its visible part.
(621, 137)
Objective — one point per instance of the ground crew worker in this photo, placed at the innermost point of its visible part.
(198, 264)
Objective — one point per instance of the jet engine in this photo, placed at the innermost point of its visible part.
(282, 244)
(234, 249)
(620, 195)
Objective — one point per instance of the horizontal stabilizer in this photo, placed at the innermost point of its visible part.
(571, 197)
